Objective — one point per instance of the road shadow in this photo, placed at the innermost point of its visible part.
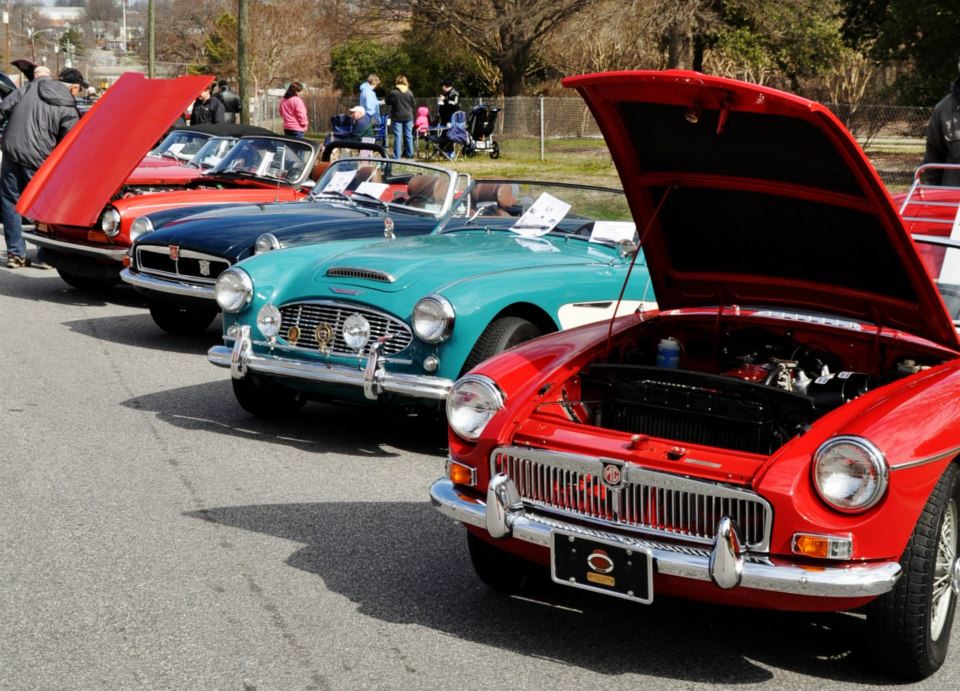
(46, 285)
(351, 430)
(139, 331)
(405, 563)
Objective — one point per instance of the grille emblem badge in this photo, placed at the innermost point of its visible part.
(600, 562)
(174, 252)
(324, 335)
(293, 335)
(612, 475)
(204, 268)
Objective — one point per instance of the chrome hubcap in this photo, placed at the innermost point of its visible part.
(946, 575)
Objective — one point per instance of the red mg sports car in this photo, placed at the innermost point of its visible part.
(782, 433)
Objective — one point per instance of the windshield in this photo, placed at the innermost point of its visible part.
(533, 209)
(941, 256)
(390, 185)
(267, 157)
(213, 151)
(181, 144)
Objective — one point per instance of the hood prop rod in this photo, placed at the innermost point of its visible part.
(633, 261)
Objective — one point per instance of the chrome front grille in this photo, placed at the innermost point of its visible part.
(365, 274)
(644, 500)
(194, 267)
(307, 316)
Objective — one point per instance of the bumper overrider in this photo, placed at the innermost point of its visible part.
(725, 564)
(115, 254)
(373, 377)
(167, 285)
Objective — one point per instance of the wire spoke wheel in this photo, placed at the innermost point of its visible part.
(944, 578)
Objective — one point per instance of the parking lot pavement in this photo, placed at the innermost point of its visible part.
(154, 535)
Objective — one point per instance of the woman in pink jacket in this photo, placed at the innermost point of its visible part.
(293, 112)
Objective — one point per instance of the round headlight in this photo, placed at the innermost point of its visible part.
(140, 225)
(356, 331)
(433, 318)
(472, 402)
(233, 290)
(266, 243)
(268, 320)
(110, 222)
(850, 474)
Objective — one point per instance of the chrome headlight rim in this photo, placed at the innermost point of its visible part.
(878, 462)
(267, 242)
(268, 320)
(497, 397)
(141, 226)
(449, 317)
(110, 222)
(350, 338)
(244, 288)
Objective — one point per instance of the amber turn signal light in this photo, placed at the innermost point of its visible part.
(822, 546)
(461, 474)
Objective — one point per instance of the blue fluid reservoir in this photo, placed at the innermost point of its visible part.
(668, 353)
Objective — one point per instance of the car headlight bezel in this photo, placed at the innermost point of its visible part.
(491, 401)
(441, 315)
(235, 282)
(267, 242)
(141, 226)
(873, 477)
(110, 222)
(268, 320)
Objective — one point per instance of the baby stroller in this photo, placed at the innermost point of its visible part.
(448, 141)
(480, 125)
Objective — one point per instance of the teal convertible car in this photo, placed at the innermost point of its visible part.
(399, 320)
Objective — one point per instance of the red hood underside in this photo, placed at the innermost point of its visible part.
(91, 163)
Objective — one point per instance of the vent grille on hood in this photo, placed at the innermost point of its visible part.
(365, 274)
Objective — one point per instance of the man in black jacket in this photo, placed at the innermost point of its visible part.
(448, 102)
(230, 100)
(206, 109)
(38, 116)
(943, 137)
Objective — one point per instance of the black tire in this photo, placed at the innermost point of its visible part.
(182, 320)
(496, 151)
(86, 283)
(498, 569)
(469, 151)
(899, 623)
(499, 335)
(265, 398)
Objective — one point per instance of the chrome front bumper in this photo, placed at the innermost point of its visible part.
(373, 377)
(114, 254)
(166, 285)
(503, 514)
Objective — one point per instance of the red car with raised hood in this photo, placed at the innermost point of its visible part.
(783, 433)
(85, 218)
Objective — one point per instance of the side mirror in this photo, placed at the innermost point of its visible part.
(482, 207)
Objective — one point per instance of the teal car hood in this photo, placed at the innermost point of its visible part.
(437, 261)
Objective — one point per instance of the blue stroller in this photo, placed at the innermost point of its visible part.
(448, 141)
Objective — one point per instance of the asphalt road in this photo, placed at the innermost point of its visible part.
(154, 535)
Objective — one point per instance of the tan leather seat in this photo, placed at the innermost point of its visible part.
(426, 190)
(501, 193)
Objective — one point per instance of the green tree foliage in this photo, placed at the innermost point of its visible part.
(925, 34)
(220, 46)
(353, 60)
(71, 39)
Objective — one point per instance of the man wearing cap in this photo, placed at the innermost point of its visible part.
(448, 102)
(38, 116)
(362, 125)
(943, 137)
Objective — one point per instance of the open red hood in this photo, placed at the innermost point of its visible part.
(764, 199)
(93, 160)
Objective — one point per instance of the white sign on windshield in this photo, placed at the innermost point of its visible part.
(613, 231)
(542, 216)
(340, 180)
(372, 189)
(176, 148)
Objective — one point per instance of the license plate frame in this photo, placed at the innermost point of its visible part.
(630, 576)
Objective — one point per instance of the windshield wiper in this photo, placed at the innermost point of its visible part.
(170, 154)
(386, 207)
(336, 194)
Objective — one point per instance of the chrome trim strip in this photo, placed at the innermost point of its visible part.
(857, 580)
(167, 286)
(277, 345)
(116, 255)
(372, 377)
(189, 254)
(930, 459)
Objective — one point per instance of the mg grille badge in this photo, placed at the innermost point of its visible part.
(204, 267)
(612, 475)
(324, 335)
(599, 561)
(174, 252)
(293, 335)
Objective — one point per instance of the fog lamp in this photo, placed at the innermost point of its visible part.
(431, 363)
(268, 320)
(356, 331)
(822, 546)
(461, 474)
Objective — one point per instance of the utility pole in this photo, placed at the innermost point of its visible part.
(123, 5)
(243, 21)
(6, 36)
(151, 28)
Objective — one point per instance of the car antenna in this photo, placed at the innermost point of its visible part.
(633, 261)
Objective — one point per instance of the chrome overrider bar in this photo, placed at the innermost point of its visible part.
(39, 240)
(503, 514)
(165, 285)
(373, 377)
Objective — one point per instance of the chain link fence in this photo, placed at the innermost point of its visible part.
(544, 128)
